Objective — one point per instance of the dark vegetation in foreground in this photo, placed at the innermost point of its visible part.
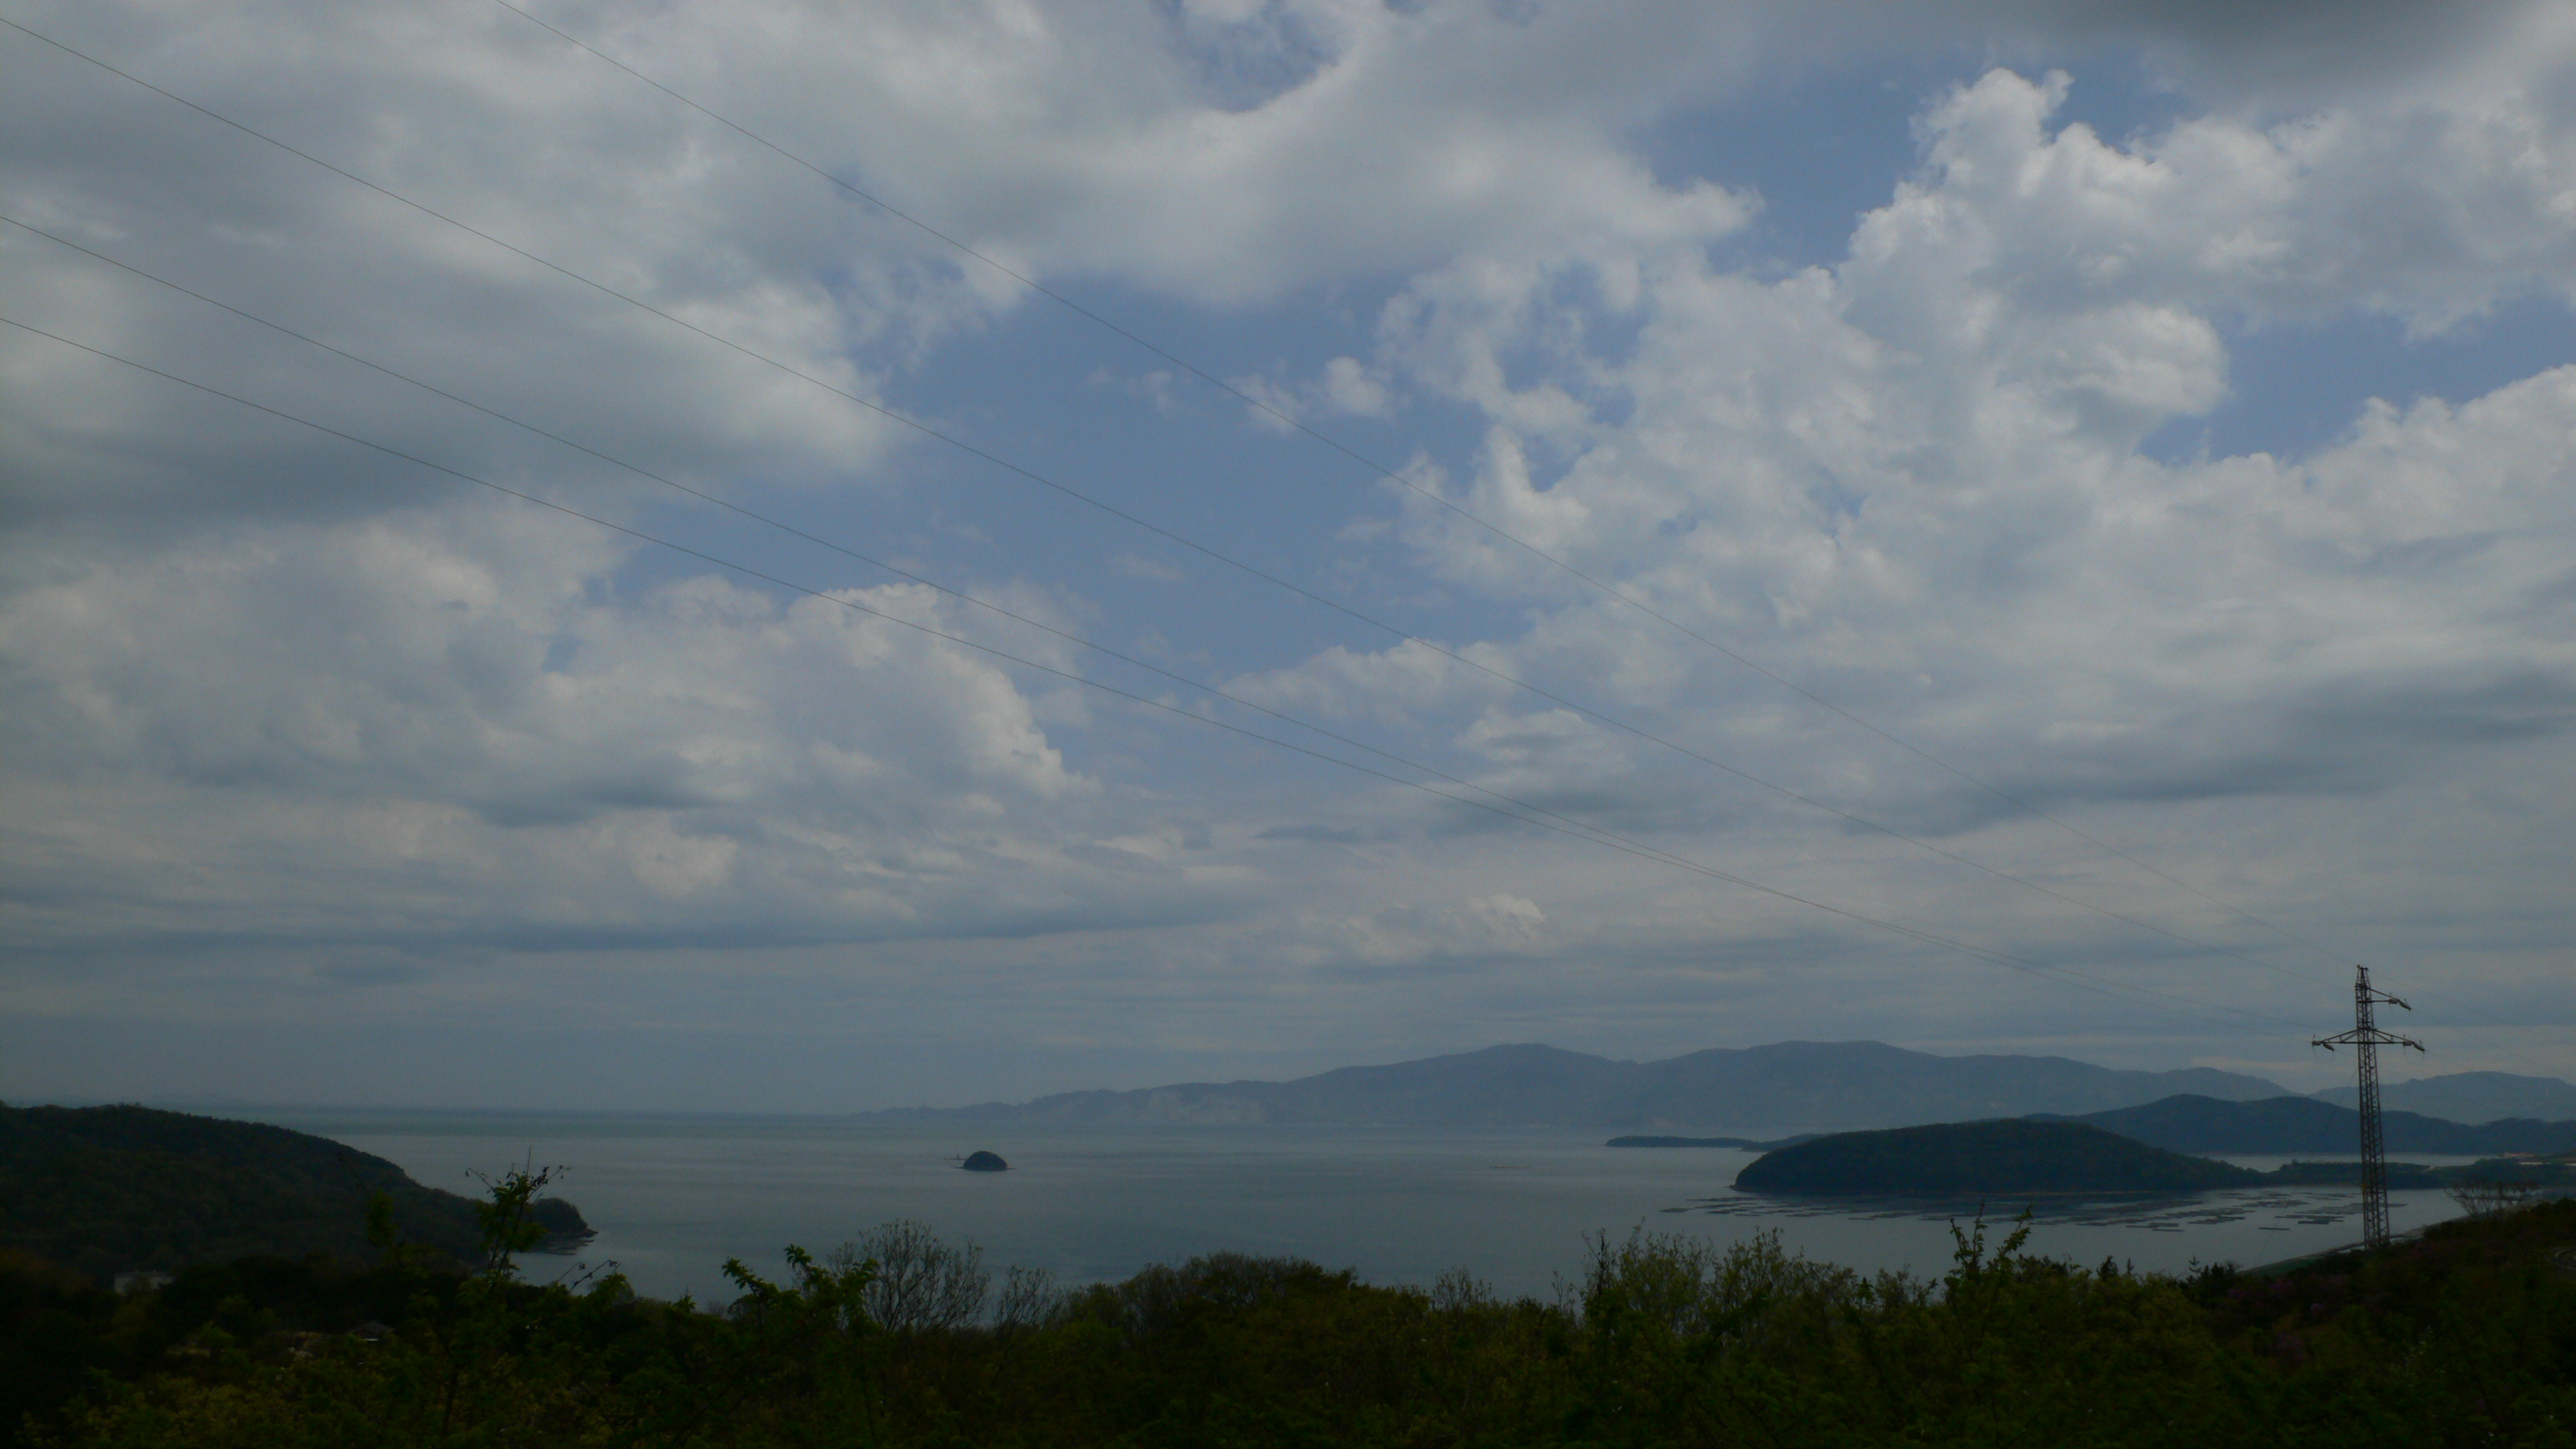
(2467, 1337)
(105, 1190)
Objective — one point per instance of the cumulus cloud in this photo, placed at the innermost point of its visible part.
(1912, 483)
(1475, 930)
(1922, 464)
(446, 705)
(423, 103)
(262, 686)
(2430, 213)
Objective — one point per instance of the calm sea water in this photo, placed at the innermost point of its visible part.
(673, 1197)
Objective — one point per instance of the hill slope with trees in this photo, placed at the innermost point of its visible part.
(2015, 1155)
(109, 1189)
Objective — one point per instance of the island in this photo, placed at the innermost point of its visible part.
(2014, 1156)
(985, 1162)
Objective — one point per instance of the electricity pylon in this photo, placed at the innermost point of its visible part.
(2365, 1039)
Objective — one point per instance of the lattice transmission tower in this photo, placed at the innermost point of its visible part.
(2366, 1039)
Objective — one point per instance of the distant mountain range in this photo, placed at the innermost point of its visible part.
(2470, 1097)
(1771, 1091)
(2287, 1125)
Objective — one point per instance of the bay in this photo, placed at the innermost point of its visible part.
(674, 1196)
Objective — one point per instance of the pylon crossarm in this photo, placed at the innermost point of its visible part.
(2372, 1037)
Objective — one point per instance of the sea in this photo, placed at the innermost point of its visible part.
(674, 1197)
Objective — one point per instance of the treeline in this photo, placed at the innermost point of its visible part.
(2465, 1337)
(2009, 1155)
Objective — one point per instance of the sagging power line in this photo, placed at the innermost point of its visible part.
(1397, 477)
(808, 536)
(1170, 535)
(1574, 830)
(1185, 542)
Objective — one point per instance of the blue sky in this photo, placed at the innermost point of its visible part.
(2159, 417)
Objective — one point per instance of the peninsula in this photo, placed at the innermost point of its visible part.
(2015, 1156)
(107, 1189)
(2041, 1157)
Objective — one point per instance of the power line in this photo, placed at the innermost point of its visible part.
(817, 539)
(1184, 541)
(1394, 476)
(798, 532)
(1136, 521)
(1584, 829)
(1576, 831)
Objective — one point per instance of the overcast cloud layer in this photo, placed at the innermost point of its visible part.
(330, 776)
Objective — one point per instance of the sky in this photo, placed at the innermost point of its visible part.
(745, 556)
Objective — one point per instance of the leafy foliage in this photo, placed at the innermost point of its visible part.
(2467, 1337)
(918, 1282)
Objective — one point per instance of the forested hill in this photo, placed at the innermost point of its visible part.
(108, 1189)
(1968, 1158)
(2303, 1124)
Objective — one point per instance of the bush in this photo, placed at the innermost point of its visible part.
(2467, 1337)
(921, 1284)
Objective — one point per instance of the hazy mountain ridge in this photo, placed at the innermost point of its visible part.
(1770, 1090)
(2470, 1097)
(2287, 1124)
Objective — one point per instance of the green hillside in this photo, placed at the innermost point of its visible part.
(107, 1189)
(2014, 1156)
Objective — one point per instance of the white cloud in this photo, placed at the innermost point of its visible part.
(443, 706)
(2428, 212)
(1480, 928)
(264, 686)
(1911, 483)
(1921, 465)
